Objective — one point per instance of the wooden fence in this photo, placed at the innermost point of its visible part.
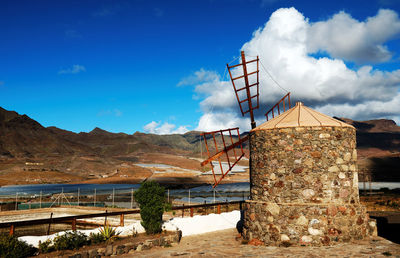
(73, 219)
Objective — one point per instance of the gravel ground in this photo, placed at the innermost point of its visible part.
(223, 244)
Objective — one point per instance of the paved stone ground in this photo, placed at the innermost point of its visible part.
(223, 244)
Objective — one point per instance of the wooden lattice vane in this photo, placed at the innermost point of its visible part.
(246, 86)
(233, 152)
(245, 82)
(277, 107)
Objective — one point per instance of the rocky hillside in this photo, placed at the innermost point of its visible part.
(22, 140)
(378, 144)
(382, 134)
(21, 136)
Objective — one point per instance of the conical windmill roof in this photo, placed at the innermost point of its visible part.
(301, 116)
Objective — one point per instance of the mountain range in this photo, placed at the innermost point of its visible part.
(26, 146)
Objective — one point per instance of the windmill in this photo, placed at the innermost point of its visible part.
(245, 81)
(303, 170)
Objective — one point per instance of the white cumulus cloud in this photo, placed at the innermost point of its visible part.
(344, 37)
(286, 44)
(165, 128)
(199, 77)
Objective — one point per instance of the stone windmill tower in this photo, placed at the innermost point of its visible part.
(304, 183)
(303, 173)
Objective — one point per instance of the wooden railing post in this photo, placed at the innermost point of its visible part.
(121, 220)
(191, 212)
(219, 209)
(105, 219)
(48, 229)
(74, 224)
(12, 228)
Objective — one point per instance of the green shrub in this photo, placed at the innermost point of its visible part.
(151, 199)
(108, 232)
(105, 233)
(96, 238)
(46, 247)
(70, 240)
(11, 247)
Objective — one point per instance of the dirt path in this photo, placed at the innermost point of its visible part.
(223, 244)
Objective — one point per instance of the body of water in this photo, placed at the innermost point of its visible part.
(234, 190)
(49, 189)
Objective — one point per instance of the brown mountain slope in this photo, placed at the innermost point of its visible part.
(23, 137)
(376, 137)
(374, 126)
(26, 146)
(378, 145)
(99, 153)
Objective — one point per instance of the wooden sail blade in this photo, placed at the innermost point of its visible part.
(222, 152)
(249, 77)
(225, 157)
(280, 106)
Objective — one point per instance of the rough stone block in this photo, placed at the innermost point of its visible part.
(120, 250)
(92, 253)
(109, 250)
(101, 251)
(306, 240)
(324, 135)
(302, 221)
(333, 169)
(273, 208)
(284, 238)
(308, 193)
(331, 210)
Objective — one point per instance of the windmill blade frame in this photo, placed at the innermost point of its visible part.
(219, 154)
(247, 86)
(277, 106)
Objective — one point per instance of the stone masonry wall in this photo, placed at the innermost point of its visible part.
(304, 165)
(318, 224)
(304, 187)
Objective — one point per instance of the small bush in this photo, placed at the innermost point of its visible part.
(151, 199)
(46, 247)
(96, 238)
(105, 233)
(11, 247)
(70, 240)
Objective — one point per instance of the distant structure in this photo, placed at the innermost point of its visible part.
(304, 184)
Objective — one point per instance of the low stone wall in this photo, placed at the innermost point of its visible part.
(305, 224)
(131, 248)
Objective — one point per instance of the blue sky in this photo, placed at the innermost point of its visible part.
(119, 65)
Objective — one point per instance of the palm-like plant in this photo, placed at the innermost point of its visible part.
(108, 232)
